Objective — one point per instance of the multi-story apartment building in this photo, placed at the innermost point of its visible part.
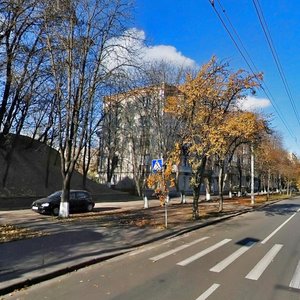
(136, 130)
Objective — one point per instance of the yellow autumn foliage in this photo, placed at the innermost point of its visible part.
(211, 122)
(163, 180)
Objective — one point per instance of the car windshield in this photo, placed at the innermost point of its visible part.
(55, 195)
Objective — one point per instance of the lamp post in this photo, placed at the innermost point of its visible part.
(252, 175)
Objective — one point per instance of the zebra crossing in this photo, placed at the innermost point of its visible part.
(254, 274)
(265, 256)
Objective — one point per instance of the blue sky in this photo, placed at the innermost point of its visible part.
(189, 31)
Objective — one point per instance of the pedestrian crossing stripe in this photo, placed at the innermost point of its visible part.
(260, 267)
(295, 282)
(177, 249)
(231, 258)
(203, 253)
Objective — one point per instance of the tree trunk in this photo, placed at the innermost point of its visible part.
(240, 171)
(65, 197)
(221, 187)
(207, 189)
(268, 184)
(4, 102)
(279, 184)
(196, 195)
(221, 202)
(10, 142)
(8, 159)
(182, 197)
(139, 184)
(86, 160)
(196, 189)
(48, 159)
(230, 186)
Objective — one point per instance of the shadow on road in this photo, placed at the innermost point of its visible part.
(62, 248)
(280, 209)
(287, 288)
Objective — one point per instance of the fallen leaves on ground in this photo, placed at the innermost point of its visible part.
(10, 233)
(177, 215)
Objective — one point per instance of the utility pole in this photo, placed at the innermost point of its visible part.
(252, 175)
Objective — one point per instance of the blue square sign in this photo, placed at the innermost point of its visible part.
(157, 165)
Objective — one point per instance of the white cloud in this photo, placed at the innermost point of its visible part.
(135, 40)
(251, 103)
(168, 54)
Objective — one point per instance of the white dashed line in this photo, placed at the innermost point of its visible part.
(278, 228)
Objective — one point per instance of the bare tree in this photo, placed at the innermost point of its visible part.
(82, 44)
(21, 58)
(136, 128)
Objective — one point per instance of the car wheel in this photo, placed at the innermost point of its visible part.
(89, 207)
(55, 211)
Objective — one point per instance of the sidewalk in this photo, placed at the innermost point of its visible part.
(72, 244)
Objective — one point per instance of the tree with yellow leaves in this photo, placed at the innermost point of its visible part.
(238, 128)
(276, 167)
(162, 180)
(205, 104)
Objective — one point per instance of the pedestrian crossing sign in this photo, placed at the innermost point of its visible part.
(157, 165)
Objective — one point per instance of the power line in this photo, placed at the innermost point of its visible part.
(265, 90)
(275, 55)
(237, 35)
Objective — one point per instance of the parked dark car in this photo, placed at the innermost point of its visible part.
(80, 201)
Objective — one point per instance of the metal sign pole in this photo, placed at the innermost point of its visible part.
(166, 211)
(158, 165)
(166, 214)
(166, 197)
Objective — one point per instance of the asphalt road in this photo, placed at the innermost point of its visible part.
(252, 256)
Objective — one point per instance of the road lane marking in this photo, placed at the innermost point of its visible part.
(231, 258)
(295, 283)
(278, 228)
(202, 253)
(260, 267)
(208, 292)
(172, 251)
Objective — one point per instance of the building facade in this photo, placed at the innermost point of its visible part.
(137, 130)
